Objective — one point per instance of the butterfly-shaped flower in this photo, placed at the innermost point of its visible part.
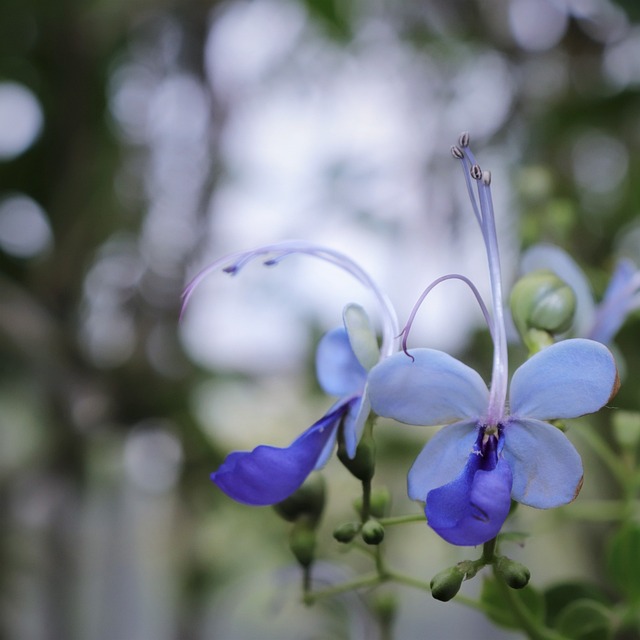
(492, 451)
(267, 475)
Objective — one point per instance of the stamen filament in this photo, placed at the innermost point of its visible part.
(425, 293)
(234, 262)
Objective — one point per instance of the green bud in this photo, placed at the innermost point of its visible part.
(446, 584)
(372, 532)
(626, 428)
(363, 464)
(307, 501)
(346, 532)
(516, 575)
(541, 301)
(302, 542)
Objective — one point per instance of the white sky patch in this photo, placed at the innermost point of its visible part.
(537, 25)
(335, 146)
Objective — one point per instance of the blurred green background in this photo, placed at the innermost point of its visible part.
(140, 140)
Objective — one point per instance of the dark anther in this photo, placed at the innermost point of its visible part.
(476, 172)
(456, 152)
(463, 140)
(231, 269)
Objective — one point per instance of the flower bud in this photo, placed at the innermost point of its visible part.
(516, 575)
(372, 532)
(302, 542)
(541, 301)
(346, 532)
(307, 501)
(363, 464)
(446, 584)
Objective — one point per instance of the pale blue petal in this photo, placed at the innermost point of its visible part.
(548, 256)
(566, 380)
(617, 303)
(362, 337)
(433, 388)
(354, 422)
(338, 370)
(547, 470)
(441, 459)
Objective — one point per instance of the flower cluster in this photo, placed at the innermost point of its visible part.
(497, 441)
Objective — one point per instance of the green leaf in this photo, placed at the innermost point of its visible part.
(585, 620)
(624, 560)
(559, 596)
(493, 603)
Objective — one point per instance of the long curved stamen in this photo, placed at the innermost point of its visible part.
(452, 276)
(483, 210)
(275, 253)
(500, 372)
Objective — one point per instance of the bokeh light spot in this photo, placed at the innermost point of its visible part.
(20, 119)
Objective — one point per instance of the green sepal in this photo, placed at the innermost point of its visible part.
(362, 466)
(308, 501)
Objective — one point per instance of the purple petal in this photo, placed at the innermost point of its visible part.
(441, 459)
(471, 509)
(566, 380)
(433, 388)
(547, 470)
(268, 475)
(617, 303)
(354, 423)
(338, 370)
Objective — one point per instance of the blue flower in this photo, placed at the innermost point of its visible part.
(471, 469)
(601, 321)
(489, 454)
(267, 475)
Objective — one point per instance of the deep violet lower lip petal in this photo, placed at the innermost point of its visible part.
(267, 475)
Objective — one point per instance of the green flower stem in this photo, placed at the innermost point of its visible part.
(369, 580)
(489, 551)
(409, 581)
(366, 500)
(534, 628)
(414, 517)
